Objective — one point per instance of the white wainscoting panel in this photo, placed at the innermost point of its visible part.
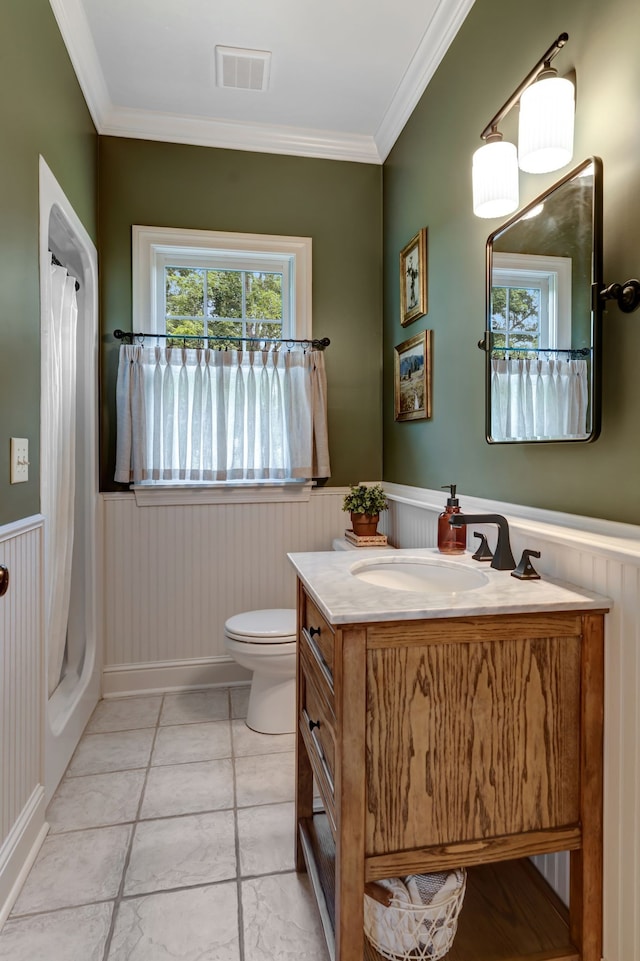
(604, 557)
(21, 703)
(174, 574)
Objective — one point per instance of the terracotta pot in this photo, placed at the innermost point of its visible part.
(365, 525)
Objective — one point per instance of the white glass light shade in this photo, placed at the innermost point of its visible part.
(495, 179)
(545, 136)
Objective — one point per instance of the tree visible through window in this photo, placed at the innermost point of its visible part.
(516, 317)
(530, 308)
(223, 303)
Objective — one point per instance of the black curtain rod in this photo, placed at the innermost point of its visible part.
(58, 263)
(130, 336)
(582, 351)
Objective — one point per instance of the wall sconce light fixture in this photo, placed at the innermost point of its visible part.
(545, 137)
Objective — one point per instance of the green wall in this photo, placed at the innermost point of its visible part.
(427, 182)
(42, 111)
(338, 204)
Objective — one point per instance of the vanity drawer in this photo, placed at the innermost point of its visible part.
(318, 640)
(318, 729)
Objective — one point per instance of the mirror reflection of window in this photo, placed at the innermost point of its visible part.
(543, 323)
(517, 316)
(530, 303)
(530, 316)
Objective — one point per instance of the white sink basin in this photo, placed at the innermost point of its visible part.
(426, 575)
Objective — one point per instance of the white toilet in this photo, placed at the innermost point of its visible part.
(265, 643)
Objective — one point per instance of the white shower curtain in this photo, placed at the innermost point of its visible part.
(198, 415)
(58, 452)
(539, 399)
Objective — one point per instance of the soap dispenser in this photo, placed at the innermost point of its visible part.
(451, 540)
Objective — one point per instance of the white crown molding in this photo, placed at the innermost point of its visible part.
(111, 120)
(74, 27)
(435, 42)
(232, 135)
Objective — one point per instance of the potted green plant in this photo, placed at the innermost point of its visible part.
(365, 503)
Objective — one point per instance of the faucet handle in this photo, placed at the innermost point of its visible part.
(525, 570)
(484, 552)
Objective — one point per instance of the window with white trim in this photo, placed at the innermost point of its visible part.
(221, 284)
(228, 405)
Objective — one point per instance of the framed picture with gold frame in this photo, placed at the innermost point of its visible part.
(412, 377)
(413, 278)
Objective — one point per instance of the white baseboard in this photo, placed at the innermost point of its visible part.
(121, 680)
(19, 850)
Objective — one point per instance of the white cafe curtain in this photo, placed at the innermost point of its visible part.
(58, 451)
(198, 415)
(539, 399)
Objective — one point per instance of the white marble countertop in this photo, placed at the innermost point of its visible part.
(345, 598)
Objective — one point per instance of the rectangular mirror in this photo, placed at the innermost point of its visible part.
(542, 338)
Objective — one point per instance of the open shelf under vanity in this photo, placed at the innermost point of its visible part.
(509, 910)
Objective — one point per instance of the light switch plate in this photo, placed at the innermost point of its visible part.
(19, 460)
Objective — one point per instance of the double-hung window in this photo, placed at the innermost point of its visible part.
(223, 395)
(221, 284)
(223, 296)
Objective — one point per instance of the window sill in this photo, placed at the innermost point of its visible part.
(166, 495)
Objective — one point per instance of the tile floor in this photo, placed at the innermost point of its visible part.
(171, 840)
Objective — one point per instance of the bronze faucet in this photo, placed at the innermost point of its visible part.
(502, 557)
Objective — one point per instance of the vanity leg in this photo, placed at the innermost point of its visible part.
(350, 799)
(585, 907)
(304, 796)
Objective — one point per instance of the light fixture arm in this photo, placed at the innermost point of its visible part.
(542, 64)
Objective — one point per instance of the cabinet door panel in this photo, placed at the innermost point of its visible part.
(471, 741)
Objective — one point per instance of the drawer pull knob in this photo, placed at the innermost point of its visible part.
(315, 630)
(313, 724)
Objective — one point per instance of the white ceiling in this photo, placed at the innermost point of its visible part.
(345, 74)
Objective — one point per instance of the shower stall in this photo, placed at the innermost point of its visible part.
(69, 347)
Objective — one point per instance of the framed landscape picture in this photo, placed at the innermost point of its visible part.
(413, 278)
(412, 380)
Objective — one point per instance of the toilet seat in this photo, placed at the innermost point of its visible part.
(274, 626)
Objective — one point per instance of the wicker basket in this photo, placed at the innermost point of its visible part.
(404, 929)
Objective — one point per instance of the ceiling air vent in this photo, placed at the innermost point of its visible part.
(241, 69)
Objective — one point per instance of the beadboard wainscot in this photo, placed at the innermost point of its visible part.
(175, 571)
(22, 796)
(604, 557)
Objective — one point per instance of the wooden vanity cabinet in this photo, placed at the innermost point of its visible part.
(465, 741)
